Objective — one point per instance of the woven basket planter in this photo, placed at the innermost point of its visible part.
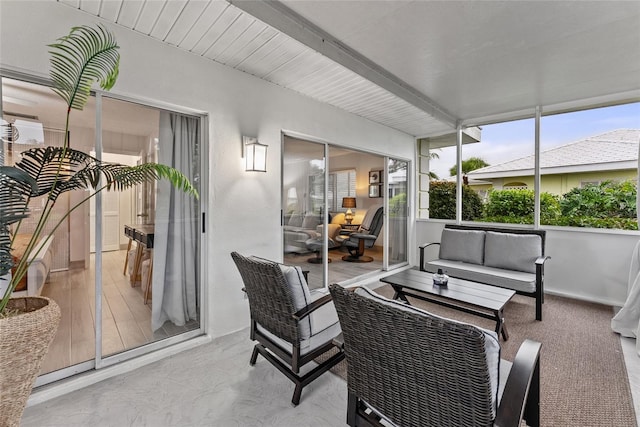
(24, 341)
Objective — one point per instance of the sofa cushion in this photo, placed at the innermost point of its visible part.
(512, 251)
(491, 343)
(295, 220)
(462, 245)
(517, 280)
(310, 221)
(297, 285)
(338, 218)
(323, 327)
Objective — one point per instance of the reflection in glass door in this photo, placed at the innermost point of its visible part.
(397, 210)
(303, 208)
(150, 272)
(88, 267)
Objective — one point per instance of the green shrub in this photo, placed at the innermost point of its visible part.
(605, 200)
(515, 206)
(510, 203)
(592, 222)
(442, 201)
(398, 205)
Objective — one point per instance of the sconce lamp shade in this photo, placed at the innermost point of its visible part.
(349, 202)
(255, 156)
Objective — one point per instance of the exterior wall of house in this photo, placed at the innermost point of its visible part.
(243, 209)
(560, 183)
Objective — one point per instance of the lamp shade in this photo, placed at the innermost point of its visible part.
(349, 202)
(255, 157)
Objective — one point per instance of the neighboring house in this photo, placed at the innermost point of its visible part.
(608, 156)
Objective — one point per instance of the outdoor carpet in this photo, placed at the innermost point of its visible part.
(583, 375)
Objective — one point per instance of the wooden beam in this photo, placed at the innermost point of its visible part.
(285, 20)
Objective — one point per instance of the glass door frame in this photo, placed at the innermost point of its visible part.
(325, 198)
(99, 362)
(386, 266)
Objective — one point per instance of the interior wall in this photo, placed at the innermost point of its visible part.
(362, 163)
(243, 209)
(588, 264)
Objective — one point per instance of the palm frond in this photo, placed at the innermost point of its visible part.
(6, 260)
(85, 56)
(15, 189)
(51, 167)
(133, 175)
(56, 171)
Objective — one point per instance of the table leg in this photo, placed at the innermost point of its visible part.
(126, 257)
(501, 328)
(147, 291)
(398, 294)
(137, 265)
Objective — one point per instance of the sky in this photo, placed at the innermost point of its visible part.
(508, 141)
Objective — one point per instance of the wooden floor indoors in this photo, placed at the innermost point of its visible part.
(126, 320)
(339, 270)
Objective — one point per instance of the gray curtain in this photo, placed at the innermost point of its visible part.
(175, 256)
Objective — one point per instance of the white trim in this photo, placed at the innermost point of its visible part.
(78, 382)
(552, 109)
(591, 167)
(603, 301)
(288, 22)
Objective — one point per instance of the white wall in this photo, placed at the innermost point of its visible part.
(243, 209)
(586, 264)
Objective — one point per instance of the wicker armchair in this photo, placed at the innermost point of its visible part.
(410, 368)
(287, 320)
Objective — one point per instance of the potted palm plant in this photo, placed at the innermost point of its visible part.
(84, 57)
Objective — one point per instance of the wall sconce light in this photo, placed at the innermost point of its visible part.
(348, 202)
(255, 155)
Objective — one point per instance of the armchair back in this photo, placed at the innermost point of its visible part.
(272, 302)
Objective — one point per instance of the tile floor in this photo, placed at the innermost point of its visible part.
(212, 385)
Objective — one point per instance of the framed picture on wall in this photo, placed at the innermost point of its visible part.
(374, 177)
(374, 190)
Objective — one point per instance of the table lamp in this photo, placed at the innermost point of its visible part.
(348, 202)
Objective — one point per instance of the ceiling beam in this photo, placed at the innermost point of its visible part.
(285, 20)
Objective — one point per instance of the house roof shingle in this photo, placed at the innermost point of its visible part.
(612, 147)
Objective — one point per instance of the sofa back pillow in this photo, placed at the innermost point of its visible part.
(512, 251)
(462, 245)
(310, 221)
(295, 220)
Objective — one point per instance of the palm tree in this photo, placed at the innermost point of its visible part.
(471, 164)
(432, 175)
(85, 56)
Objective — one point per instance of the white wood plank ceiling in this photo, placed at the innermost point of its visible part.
(220, 31)
(414, 65)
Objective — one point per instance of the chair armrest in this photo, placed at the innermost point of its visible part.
(362, 236)
(304, 312)
(422, 248)
(541, 260)
(521, 396)
(425, 245)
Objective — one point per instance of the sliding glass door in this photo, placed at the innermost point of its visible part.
(304, 189)
(397, 211)
(330, 195)
(125, 267)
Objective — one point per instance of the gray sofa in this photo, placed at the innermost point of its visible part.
(298, 229)
(505, 257)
